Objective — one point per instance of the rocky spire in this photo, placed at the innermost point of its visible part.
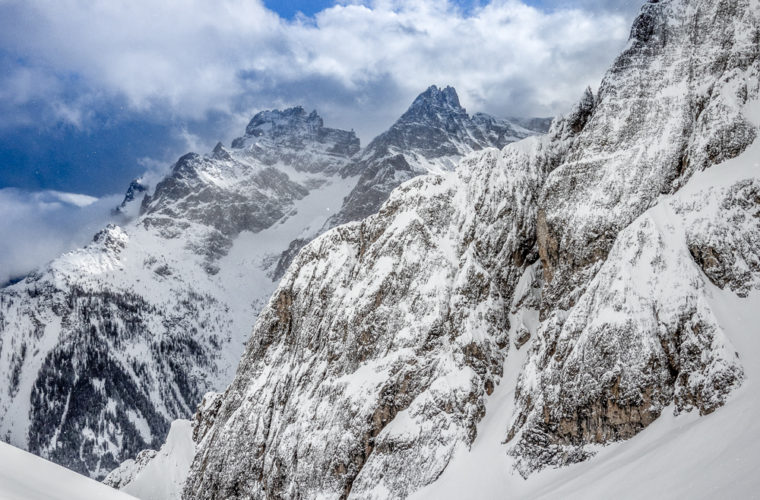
(276, 123)
(295, 128)
(434, 103)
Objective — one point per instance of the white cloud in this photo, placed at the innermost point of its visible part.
(75, 199)
(39, 226)
(359, 65)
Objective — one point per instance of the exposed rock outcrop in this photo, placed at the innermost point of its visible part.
(626, 327)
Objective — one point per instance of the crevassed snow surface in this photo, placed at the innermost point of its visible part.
(24, 476)
(688, 456)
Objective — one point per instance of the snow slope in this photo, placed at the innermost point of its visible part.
(158, 475)
(714, 456)
(24, 476)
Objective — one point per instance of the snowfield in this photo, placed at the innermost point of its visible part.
(24, 476)
(158, 475)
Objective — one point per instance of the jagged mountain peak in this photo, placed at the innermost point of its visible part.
(220, 152)
(136, 191)
(110, 236)
(433, 101)
(276, 123)
(587, 101)
(437, 128)
(295, 129)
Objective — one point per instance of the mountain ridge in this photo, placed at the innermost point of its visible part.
(430, 136)
(108, 344)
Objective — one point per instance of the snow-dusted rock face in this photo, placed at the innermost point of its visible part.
(107, 345)
(225, 196)
(671, 104)
(640, 338)
(373, 359)
(299, 139)
(371, 362)
(219, 192)
(626, 331)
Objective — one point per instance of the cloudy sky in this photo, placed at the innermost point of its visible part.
(94, 93)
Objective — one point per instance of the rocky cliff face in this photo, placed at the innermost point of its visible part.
(299, 139)
(672, 104)
(677, 101)
(373, 359)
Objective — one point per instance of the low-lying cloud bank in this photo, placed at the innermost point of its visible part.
(38, 226)
(358, 63)
(121, 64)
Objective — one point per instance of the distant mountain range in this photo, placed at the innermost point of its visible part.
(108, 344)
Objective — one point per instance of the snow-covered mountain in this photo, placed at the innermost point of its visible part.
(431, 136)
(104, 347)
(600, 267)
